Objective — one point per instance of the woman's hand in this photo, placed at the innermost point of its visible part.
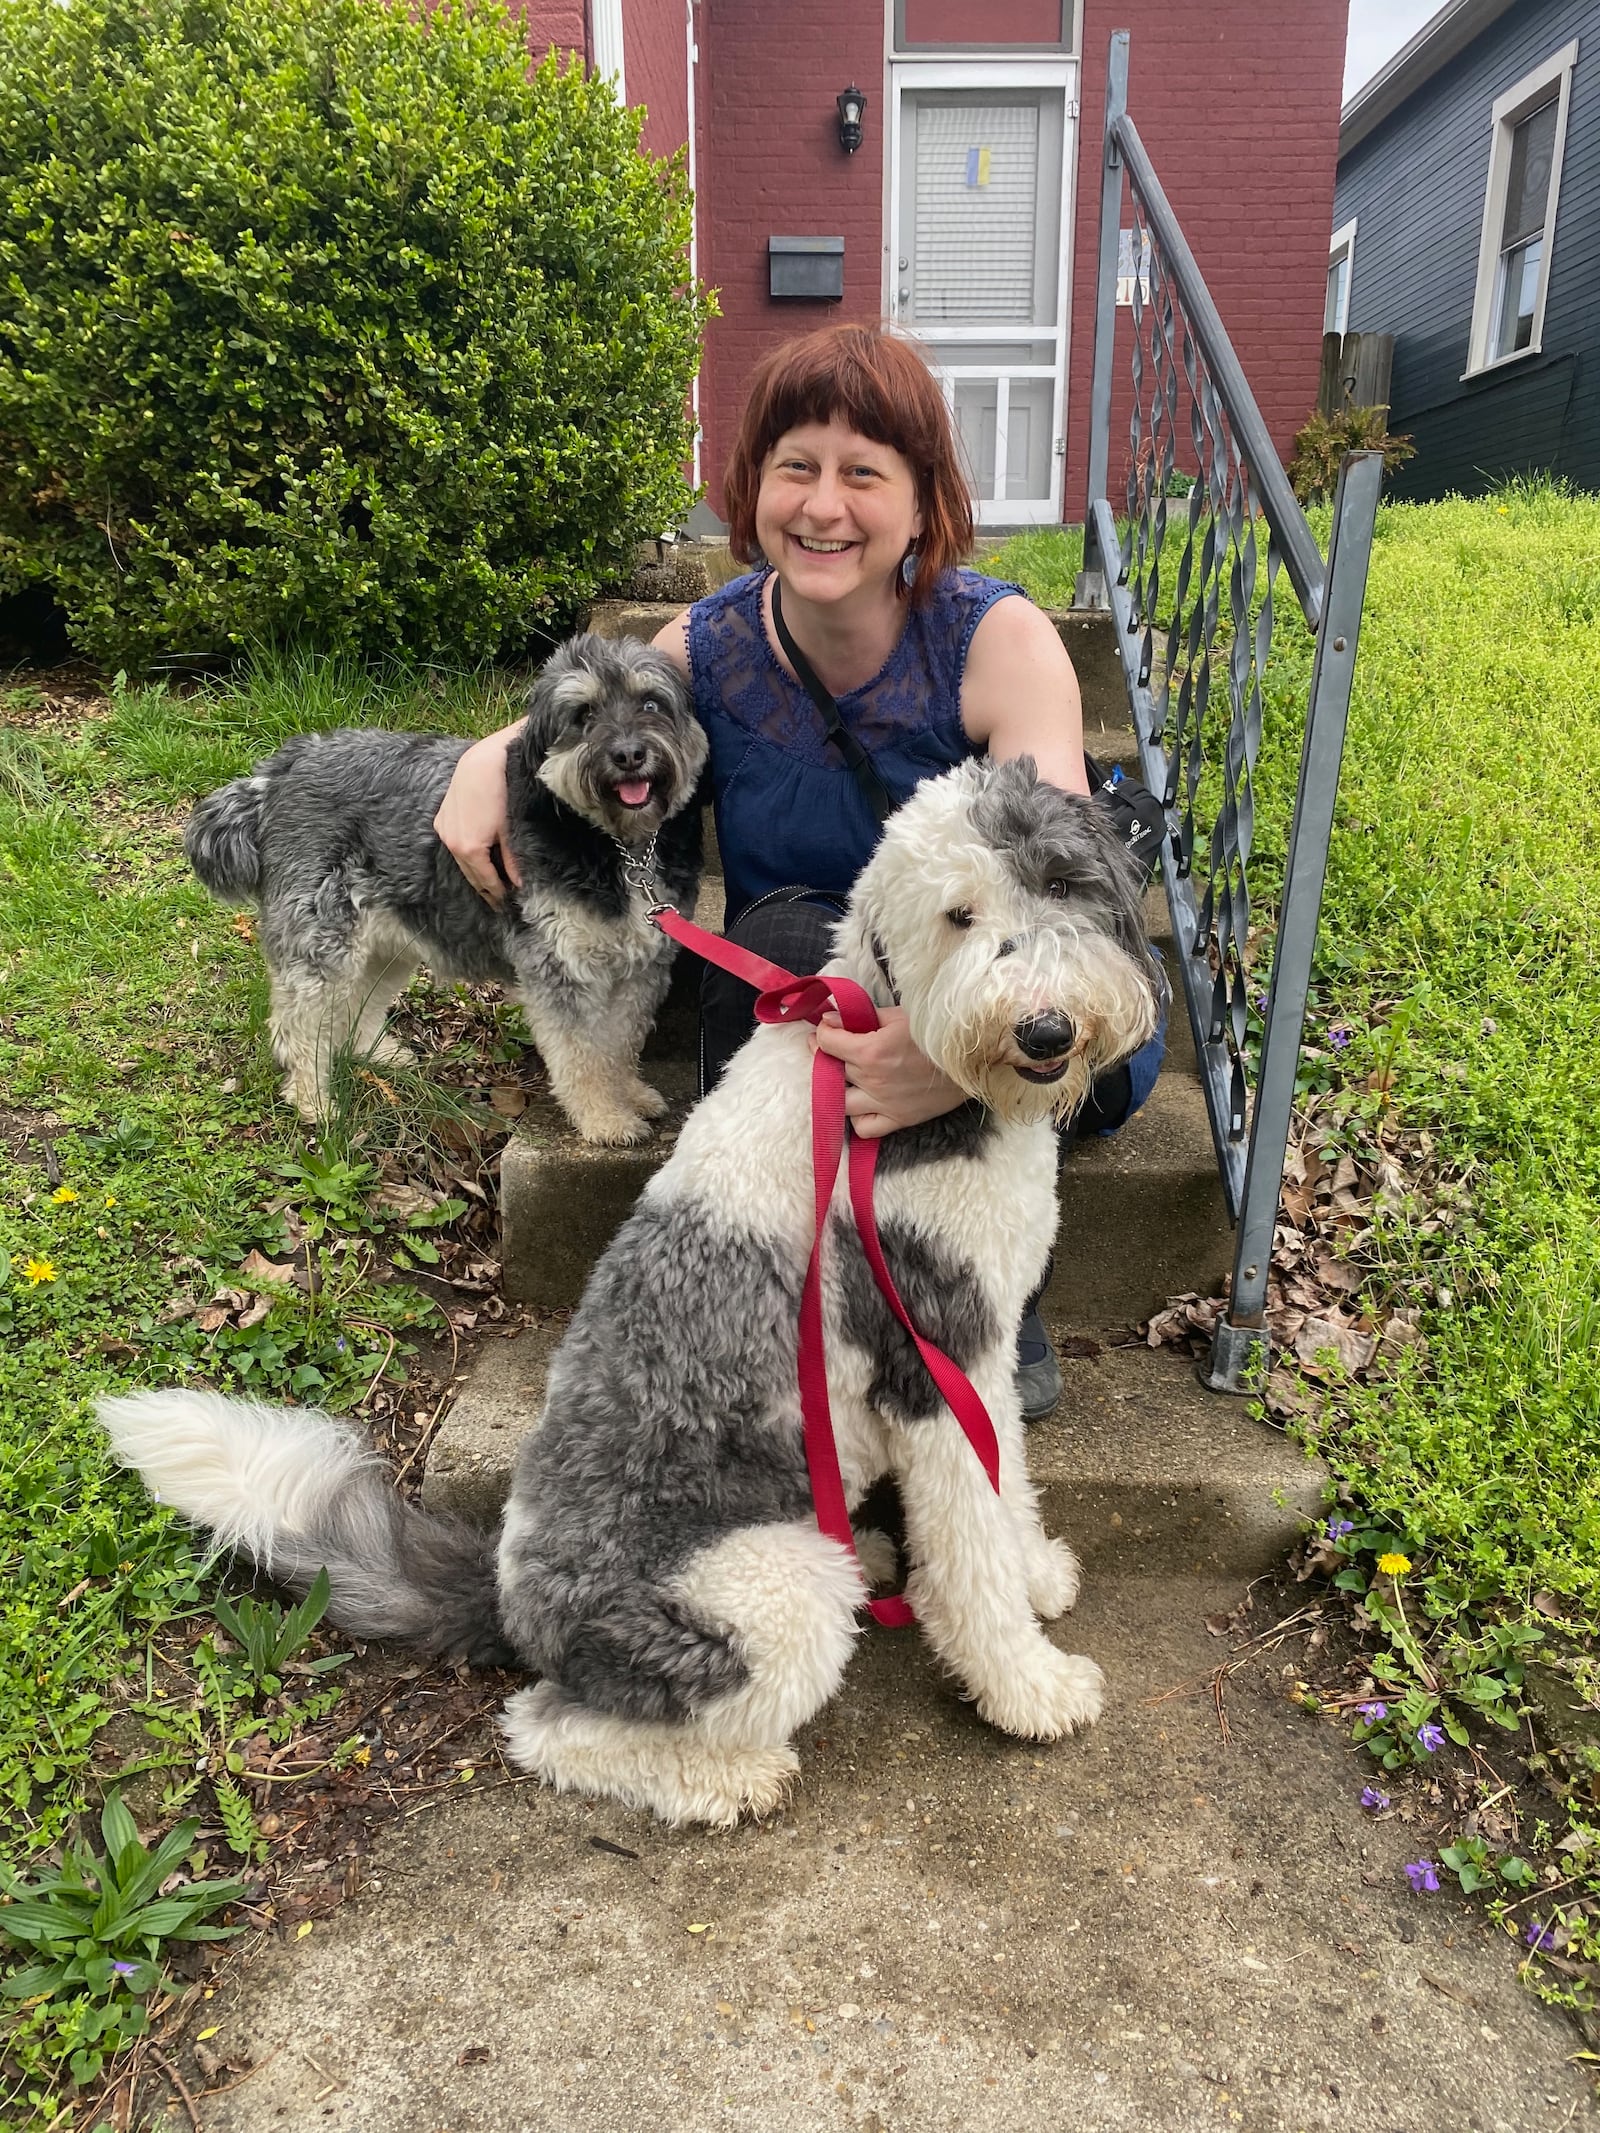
(472, 816)
(890, 1083)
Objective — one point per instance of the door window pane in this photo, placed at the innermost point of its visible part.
(975, 213)
(975, 400)
(1029, 439)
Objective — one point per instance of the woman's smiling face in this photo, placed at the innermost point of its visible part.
(836, 511)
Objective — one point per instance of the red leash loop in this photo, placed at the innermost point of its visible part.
(783, 997)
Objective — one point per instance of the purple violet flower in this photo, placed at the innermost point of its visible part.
(1339, 1527)
(124, 1969)
(1430, 1737)
(1423, 1876)
(1339, 1037)
(1539, 1938)
(1374, 1801)
(1374, 1712)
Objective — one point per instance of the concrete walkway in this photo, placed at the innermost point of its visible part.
(1154, 1927)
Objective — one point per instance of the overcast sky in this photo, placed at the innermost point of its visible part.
(1378, 28)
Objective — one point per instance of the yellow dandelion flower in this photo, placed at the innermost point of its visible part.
(36, 1270)
(63, 1196)
(1393, 1565)
(111, 1199)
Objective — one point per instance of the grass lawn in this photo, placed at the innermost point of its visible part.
(1455, 1029)
(143, 1161)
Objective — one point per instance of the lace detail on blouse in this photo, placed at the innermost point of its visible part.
(917, 690)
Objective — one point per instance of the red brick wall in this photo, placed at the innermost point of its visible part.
(770, 164)
(1238, 107)
(655, 68)
(553, 22)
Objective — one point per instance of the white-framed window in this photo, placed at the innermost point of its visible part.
(1341, 263)
(1528, 132)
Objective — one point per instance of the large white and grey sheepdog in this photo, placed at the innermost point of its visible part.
(659, 1565)
(333, 838)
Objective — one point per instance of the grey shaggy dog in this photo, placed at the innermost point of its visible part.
(659, 1564)
(333, 839)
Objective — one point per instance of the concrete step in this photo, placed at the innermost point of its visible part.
(1142, 1214)
(1146, 1475)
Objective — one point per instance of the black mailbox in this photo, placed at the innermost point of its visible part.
(805, 266)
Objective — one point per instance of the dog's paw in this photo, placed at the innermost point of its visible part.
(613, 1129)
(1056, 1693)
(879, 1558)
(389, 1050)
(650, 1101)
(306, 1098)
(1053, 1576)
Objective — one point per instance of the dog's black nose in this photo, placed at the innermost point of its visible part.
(626, 757)
(1045, 1036)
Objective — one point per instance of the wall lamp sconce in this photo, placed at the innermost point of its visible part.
(852, 109)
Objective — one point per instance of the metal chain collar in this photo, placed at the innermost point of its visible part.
(639, 874)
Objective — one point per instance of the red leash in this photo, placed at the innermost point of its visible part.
(783, 997)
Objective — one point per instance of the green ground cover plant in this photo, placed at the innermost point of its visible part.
(329, 318)
(144, 1163)
(1455, 1025)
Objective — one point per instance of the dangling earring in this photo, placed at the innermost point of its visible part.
(908, 565)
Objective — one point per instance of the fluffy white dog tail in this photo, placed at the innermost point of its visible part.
(297, 1492)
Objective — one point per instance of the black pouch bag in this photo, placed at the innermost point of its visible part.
(1140, 819)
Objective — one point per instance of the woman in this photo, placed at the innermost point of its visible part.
(846, 485)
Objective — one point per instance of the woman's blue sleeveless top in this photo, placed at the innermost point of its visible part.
(788, 808)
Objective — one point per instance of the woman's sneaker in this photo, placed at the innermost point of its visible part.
(1038, 1372)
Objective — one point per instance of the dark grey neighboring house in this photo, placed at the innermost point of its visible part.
(1467, 224)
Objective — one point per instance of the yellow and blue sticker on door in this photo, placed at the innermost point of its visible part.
(977, 166)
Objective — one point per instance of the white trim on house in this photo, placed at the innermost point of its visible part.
(605, 28)
(999, 73)
(1341, 250)
(1530, 94)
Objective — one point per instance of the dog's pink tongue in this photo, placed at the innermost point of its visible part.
(634, 793)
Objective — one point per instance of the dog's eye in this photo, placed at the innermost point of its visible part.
(961, 916)
(1058, 887)
(649, 704)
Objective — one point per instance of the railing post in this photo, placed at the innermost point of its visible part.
(1091, 588)
(1239, 1338)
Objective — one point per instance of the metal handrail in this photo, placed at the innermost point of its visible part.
(1238, 477)
(1302, 558)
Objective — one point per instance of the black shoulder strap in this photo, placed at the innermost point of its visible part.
(877, 794)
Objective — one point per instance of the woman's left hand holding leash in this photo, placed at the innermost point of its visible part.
(890, 1083)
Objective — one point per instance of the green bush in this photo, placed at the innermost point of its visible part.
(1321, 445)
(327, 317)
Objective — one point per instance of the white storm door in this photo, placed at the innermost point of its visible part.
(979, 269)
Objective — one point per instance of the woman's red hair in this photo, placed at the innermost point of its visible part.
(878, 385)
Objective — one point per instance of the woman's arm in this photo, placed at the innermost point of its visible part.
(1019, 694)
(471, 822)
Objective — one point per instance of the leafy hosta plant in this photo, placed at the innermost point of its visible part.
(96, 1928)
